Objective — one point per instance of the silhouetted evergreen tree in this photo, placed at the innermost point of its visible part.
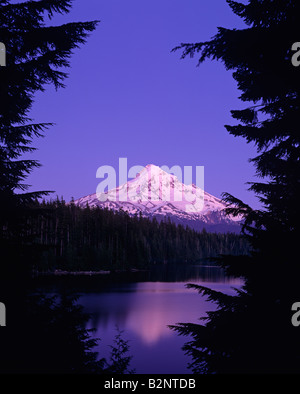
(56, 341)
(252, 331)
(119, 359)
(37, 55)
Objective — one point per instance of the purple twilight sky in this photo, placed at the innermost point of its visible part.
(128, 96)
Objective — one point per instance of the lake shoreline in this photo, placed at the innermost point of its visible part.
(85, 273)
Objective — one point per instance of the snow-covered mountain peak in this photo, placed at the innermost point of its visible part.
(154, 192)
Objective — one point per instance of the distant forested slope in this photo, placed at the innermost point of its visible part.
(73, 238)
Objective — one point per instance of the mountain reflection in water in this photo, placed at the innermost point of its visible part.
(144, 309)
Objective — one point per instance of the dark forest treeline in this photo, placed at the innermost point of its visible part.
(74, 238)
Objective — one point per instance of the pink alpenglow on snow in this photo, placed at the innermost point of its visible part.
(154, 192)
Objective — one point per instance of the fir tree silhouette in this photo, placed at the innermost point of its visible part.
(252, 331)
(37, 54)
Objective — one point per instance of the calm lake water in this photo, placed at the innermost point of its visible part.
(143, 305)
